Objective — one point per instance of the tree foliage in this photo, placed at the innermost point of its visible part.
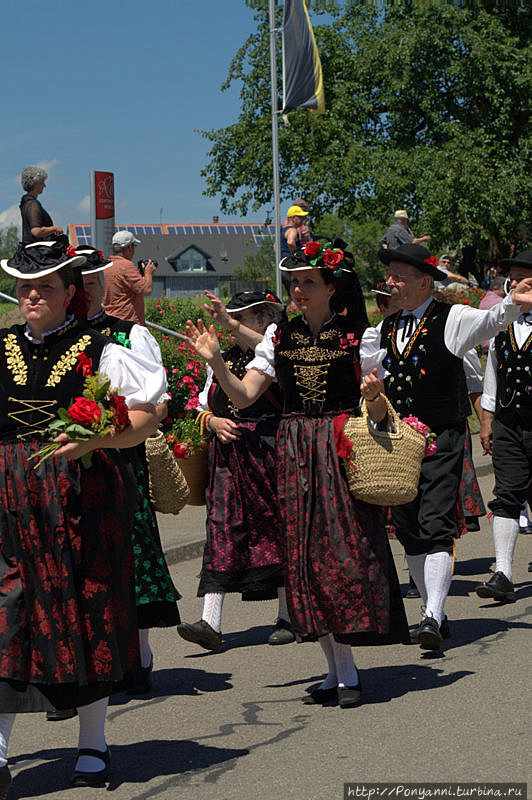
(427, 108)
(8, 245)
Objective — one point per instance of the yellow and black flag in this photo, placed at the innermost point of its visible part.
(302, 76)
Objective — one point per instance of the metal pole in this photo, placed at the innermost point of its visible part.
(275, 151)
(8, 298)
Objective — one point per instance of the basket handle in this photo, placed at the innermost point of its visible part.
(392, 413)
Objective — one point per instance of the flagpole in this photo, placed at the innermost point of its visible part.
(275, 151)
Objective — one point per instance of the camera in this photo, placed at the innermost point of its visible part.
(141, 265)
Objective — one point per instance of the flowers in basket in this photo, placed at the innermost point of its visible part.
(100, 411)
(424, 430)
(185, 437)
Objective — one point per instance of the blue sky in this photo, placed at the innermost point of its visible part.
(118, 86)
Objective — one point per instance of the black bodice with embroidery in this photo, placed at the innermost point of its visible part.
(269, 403)
(37, 379)
(514, 379)
(426, 379)
(114, 327)
(317, 375)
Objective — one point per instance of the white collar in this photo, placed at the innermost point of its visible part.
(28, 335)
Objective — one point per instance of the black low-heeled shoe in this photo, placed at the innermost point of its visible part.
(5, 782)
(81, 778)
(349, 696)
(320, 696)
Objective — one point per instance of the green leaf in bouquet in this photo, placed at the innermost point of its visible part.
(63, 414)
(58, 426)
(78, 433)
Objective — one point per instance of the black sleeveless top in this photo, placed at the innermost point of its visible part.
(317, 375)
(221, 406)
(37, 379)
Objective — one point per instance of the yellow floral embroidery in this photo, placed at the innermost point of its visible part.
(15, 360)
(67, 361)
(312, 354)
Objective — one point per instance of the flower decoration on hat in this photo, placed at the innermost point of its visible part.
(71, 251)
(433, 261)
(324, 254)
(271, 298)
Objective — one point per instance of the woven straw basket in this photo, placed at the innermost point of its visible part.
(384, 466)
(168, 488)
(195, 470)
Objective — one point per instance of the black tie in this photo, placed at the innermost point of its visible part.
(408, 327)
(528, 317)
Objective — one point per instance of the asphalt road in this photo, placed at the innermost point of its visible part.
(231, 726)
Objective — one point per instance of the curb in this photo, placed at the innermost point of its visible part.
(184, 552)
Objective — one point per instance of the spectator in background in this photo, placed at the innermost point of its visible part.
(399, 233)
(36, 222)
(125, 288)
(305, 234)
(446, 264)
(290, 234)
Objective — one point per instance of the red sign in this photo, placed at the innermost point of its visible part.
(105, 194)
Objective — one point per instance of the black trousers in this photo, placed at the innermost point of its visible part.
(512, 465)
(428, 523)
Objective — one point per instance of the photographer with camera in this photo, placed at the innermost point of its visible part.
(141, 265)
(126, 286)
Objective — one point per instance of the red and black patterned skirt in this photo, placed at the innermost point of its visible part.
(67, 594)
(340, 574)
(244, 547)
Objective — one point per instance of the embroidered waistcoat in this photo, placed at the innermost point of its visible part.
(37, 379)
(426, 380)
(514, 379)
(221, 406)
(117, 329)
(317, 375)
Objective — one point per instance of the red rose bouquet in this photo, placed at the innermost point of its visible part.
(98, 412)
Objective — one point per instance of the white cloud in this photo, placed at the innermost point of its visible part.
(11, 216)
(84, 205)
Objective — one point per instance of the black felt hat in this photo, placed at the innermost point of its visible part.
(95, 260)
(242, 300)
(523, 259)
(416, 255)
(320, 254)
(41, 258)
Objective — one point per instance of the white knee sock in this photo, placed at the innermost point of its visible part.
(416, 565)
(92, 733)
(438, 577)
(282, 612)
(212, 610)
(6, 724)
(505, 533)
(145, 649)
(326, 645)
(344, 663)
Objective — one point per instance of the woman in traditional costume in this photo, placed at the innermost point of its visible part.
(340, 579)
(68, 632)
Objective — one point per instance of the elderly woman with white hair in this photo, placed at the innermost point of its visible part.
(36, 222)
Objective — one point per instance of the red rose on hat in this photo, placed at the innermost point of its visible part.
(84, 412)
(70, 251)
(270, 298)
(331, 258)
(433, 261)
(312, 249)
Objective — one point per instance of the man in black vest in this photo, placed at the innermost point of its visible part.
(421, 350)
(506, 431)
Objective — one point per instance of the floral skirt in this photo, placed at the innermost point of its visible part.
(340, 574)
(155, 591)
(244, 547)
(68, 631)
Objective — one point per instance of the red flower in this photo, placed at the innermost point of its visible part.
(119, 408)
(433, 261)
(71, 252)
(84, 411)
(270, 298)
(331, 258)
(100, 253)
(182, 450)
(312, 249)
(84, 365)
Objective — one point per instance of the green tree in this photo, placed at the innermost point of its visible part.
(427, 108)
(259, 265)
(8, 245)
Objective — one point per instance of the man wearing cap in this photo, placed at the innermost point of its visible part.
(398, 233)
(420, 351)
(506, 430)
(290, 235)
(125, 288)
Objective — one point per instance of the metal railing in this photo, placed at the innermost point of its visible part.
(167, 331)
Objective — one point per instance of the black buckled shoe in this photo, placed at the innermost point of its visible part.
(319, 697)
(201, 633)
(282, 633)
(60, 715)
(445, 631)
(412, 591)
(498, 588)
(349, 696)
(526, 529)
(428, 635)
(80, 778)
(138, 681)
(5, 781)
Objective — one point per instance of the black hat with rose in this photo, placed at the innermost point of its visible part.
(243, 300)
(41, 258)
(320, 254)
(523, 259)
(417, 256)
(95, 262)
